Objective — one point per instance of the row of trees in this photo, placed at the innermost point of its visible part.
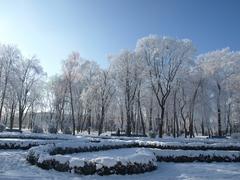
(160, 86)
(20, 85)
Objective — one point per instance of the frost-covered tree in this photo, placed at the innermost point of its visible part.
(163, 58)
(220, 66)
(127, 74)
(8, 56)
(27, 72)
(105, 91)
(70, 72)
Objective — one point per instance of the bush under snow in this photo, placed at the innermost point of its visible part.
(235, 136)
(49, 157)
(2, 127)
(37, 129)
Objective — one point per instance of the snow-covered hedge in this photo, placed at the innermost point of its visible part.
(53, 156)
(22, 144)
(52, 129)
(201, 156)
(37, 129)
(235, 136)
(35, 136)
(2, 127)
(230, 146)
(48, 157)
(67, 130)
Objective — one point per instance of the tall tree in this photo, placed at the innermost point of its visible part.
(28, 72)
(70, 69)
(219, 66)
(163, 58)
(9, 55)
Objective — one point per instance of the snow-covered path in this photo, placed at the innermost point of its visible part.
(14, 166)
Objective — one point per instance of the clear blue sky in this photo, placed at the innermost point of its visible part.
(51, 29)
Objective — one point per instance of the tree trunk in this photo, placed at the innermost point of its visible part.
(121, 117)
(229, 124)
(3, 95)
(12, 115)
(150, 115)
(160, 123)
(128, 128)
(202, 127)
(184, 122)
(141, 115)
(219, 111)
(20, 118)
(176, 124)
(100, 128)
(89, 120)
(191, 111)
(72, 109)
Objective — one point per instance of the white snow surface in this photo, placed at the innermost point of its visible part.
(29, 135)
(109, 158)
(43, 151)
(195, 153)
(13, 166)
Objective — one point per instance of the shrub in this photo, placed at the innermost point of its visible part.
(67, 130)
(2, 127)
(152, 134)
(235, 136)
(52, 129)
(37, 129)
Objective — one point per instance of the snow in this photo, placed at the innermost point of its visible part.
(105, 161)
(43, 157)
(14, 166)
(110, 158)
(138, 156)
(114, 153)
(188, 143)
(61, 159)
(195, 153)
(30, 135)
(73, 162)
(24, 143)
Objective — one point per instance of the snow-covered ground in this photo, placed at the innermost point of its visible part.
(115, 153)
(13, 166)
